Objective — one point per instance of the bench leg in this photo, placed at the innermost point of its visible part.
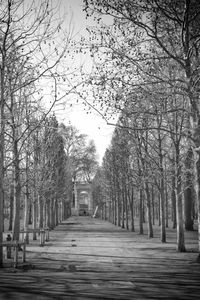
(47, 235)
(15, 256)
(8, 252)
(42, 234)
(26, 240)
(24, 253)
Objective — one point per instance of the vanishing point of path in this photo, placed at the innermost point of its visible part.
(92, 259)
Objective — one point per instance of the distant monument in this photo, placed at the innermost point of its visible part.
(82, 203)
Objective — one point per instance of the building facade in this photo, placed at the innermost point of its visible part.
(82, 203)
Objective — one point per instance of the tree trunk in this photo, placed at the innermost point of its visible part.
(188, 207)
(30, 219)
(188, 192)
(48, 213)
(105, 212)
(141, 231)
(52, 223)
(123, 209)
(26, 213)
(63, 210)
(34, 215)
(148, 203)
(11, 206)
(180, 228)
(17, 195)
(44, 213)
(153, 205)
(197, 189)
(131, 205)
(162, 210)
(26, 200)
(161, 185)
(126, 209)
(166, 207)
(56, 212)
(109, 212)
(159, 210)
(115, 211)
(173, 201)
(179, 206)
(118, 209)
(41, 212)
(1, 182)
(2, 141)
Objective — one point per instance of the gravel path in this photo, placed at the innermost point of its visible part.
(92, 259)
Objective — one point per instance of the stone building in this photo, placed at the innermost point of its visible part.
(82, 203)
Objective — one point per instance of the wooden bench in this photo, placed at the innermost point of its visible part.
(16, 245)
(30, 230)
(43, 233)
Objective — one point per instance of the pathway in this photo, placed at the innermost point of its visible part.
(92, 259)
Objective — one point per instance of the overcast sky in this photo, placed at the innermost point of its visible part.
(91, 124)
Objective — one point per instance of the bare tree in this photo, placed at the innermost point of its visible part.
(29, 40)
(173, 26)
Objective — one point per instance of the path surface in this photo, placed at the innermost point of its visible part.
(91, 259)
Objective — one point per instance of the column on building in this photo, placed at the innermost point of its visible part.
(90, 202)
(76, 210)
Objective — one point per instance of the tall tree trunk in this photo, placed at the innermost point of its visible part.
(52, 223)
(56, 211)
(123, 209)
(115, 211)
(126, 209)
(197, 189)
(41, 211)
(2, 120)
(153, 205)
(141, 230)
(30, 214)
(161, 185)
(2, 134)
(159, 210)
(26, 200)
(148, 203)
(188, 192)
(179, 206)
(44, 213)
(35, 215)
(17, 194)
(173, 200)
(109, 212)
(131, 205)
(48, 213)
(166, 207)
(118, 208)
(11, 207)
(26, 212)
(63, 210)
(162, 210)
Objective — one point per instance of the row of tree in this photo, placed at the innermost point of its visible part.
(138, 180)
(146, 69)
(40, 173)
(39, 159)
(24, 61)
(38, 189)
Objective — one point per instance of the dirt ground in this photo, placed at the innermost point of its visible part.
(88, 258)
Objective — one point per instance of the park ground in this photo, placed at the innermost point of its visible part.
(88, 258)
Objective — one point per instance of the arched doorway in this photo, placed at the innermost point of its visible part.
(82, 202)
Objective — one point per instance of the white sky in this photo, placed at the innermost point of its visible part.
(91, 124)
